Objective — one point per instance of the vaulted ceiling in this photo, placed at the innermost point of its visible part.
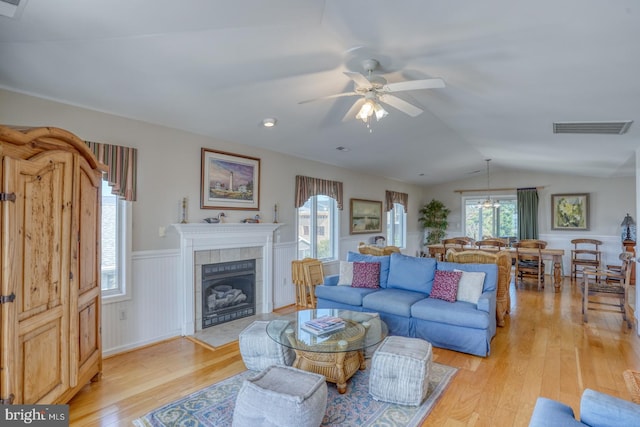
(218, 68)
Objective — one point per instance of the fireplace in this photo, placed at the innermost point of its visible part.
(228, 291)
(202, 243)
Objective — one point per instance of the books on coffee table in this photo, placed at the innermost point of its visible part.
(323, 325)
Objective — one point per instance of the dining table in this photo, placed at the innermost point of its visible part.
(437, 250)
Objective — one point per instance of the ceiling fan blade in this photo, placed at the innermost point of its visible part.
(337, 95)
(413, 85)
(400, 104)
(361, 81)
(351, 114)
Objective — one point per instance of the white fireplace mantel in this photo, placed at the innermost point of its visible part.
(203, 236)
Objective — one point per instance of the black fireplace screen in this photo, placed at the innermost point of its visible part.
(228, 291)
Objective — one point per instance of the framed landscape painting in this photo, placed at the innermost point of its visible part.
(365, 216)
(570, 211)
(229, 181)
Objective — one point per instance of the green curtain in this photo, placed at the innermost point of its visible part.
(527, 213)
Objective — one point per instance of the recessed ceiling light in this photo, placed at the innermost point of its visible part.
(341, 148)
(420, 174)
(269, 122)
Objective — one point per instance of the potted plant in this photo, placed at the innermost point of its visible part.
(433, 217)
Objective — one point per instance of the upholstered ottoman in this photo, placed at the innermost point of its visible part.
(281, 396)
(400, 371)
(259, 351)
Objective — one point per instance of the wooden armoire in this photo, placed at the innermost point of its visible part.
(50, 201)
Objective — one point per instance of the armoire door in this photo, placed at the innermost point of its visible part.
(36, 229)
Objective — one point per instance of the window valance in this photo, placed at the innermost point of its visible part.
(392, 197)
(122, 163)
(307, 187)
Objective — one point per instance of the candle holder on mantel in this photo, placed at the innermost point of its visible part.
(183, 211)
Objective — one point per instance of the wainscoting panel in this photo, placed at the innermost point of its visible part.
(152, 314)
(284, 293)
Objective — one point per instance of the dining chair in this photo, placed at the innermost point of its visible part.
(529, 262)
(585, 253)
(455, 243)
(595, 284)
(492, 243)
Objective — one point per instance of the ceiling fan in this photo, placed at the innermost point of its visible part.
(373, 89)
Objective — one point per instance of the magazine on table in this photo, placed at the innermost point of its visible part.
(323, 325)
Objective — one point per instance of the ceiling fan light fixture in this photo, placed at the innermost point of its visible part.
(366, 110)
(489, 202)
(379, 111)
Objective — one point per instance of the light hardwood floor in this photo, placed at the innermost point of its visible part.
(544, 350)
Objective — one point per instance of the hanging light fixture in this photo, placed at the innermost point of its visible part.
(370, 108)
(489, 202)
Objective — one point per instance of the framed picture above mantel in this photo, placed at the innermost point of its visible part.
(365, 216)
(229, 181)
(570, 211)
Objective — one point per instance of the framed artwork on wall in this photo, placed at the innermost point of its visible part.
(570, 211)
(365, 216)
(229, 181)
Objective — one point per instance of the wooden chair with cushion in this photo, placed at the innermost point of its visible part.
(363, 248)
(529, 263)
(455, 243)
(503, 260)
(585, 253)
(594, 284)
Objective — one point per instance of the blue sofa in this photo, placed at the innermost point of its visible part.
(596, 410)
(403, 302)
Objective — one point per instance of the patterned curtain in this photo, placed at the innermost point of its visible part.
(122, 163)
(392, 197)
(307, 187)
(527, 213)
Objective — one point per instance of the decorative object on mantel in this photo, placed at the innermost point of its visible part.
(215, 220)
(275, 213)
(229, 181)
(183, 211)
(254, 220)
(628, 229)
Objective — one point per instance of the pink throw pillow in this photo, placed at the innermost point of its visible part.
(366, 275)
(445, 285)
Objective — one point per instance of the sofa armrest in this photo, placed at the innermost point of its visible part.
(484, 302)
(331, 280)
(599, 409)
(549, 413)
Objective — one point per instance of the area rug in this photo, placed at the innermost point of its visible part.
(213, 406)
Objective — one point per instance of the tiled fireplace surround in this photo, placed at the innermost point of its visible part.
(210, 243)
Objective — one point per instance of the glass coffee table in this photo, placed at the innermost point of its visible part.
(336, 355)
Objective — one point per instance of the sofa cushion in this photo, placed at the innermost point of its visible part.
(491, 270)
(392, 301)
(445, 285)
(458, 313)
(366, 275)
(383, 260)
(470, 286)
(346, 273)
(343, 294)
(411, 273)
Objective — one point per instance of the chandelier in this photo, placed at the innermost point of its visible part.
(489, 202)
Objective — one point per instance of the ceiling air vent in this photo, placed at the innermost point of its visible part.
(12, 8)
(609, 128)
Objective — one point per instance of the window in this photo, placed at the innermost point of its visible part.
(318, 228)
(115, 245)
(396, 226)
(484, 222)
